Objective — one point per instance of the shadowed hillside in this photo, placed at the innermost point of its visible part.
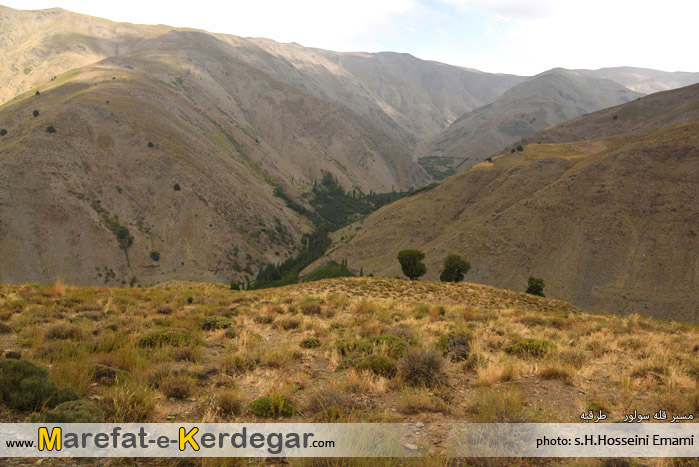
(609, 222)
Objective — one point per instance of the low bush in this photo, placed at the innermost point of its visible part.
(405, 332)
(273, 405)
(165, 336)
(3, 131)
(79, 411)
(422, 367)
(391, 345)
(330, 404)
(155, 256)
(35, 113)
(454, 344)
(26, 386)
(164, 309)
(229, 402)
(414, 401)
(379, 364)
(529, 347)
(211, 323)
(51, 129)
(351, 346)
(177, 386)
(310, 343)
(63, 331)
(310, 308)
(131, 405)
(106, 374)
(290, 323)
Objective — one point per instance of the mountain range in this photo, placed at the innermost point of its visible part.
(158, 153)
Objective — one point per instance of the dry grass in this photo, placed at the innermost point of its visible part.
(201, 369)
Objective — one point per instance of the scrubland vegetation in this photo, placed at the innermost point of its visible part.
(341, 350)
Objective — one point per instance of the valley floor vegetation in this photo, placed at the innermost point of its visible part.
(339, 350)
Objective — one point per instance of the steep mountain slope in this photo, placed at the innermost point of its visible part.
(423, 97)
(645, 80)
(36, 45)
(539, 102)
(609, 222)
(227, 134)
(399, 96)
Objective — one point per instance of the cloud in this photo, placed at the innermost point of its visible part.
(506, 9)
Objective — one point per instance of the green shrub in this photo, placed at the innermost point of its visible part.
(165, 336)
(234, 286)
(274, 405)
(79, 411)
(455, 344)
(454, 269)
(615, 117)
(394, 345)
(155, 256)
(529, 347)
(26, 386)
(379, 364)
(150, 144)
(3, 131)
(351, 346)
(535, 286)
(330, 270)
(211, 323)
(411, 263)
(520, 148)
(50, 129)
(310, 343)
(422, 367)
(176, 187)
(35, 113)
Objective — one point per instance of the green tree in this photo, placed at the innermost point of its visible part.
(411, 263)
(455, 267)
(535, 286)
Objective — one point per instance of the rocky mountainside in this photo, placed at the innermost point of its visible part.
(537, 103)
(603, 208)
(645, 80)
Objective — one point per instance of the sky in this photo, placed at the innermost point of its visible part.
(523, 37)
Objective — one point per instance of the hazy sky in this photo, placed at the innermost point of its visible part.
(510, 36)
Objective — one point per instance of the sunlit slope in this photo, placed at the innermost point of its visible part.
(546, 99)
(610, 223)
